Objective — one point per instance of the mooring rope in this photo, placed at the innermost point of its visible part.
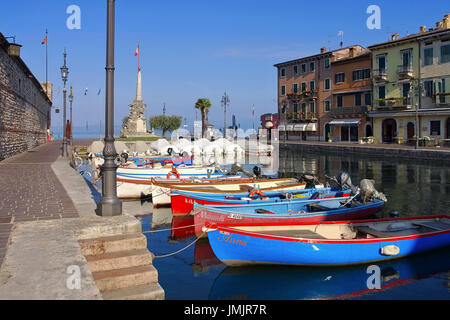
(169, 229)
(182, 249)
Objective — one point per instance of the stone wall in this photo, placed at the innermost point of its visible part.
(24, 106)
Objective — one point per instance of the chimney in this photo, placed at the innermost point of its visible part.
(395, 36)
(323, 50)
(446, 21)
(351, 52)
(439, 25)
(423, 29)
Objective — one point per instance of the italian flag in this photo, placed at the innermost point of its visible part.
(137, 51)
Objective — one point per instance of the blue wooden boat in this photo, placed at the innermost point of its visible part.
(184, 201)
(329, 242)
(285, 213)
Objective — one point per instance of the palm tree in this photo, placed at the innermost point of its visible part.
(203, 104)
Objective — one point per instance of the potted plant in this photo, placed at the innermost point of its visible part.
(330, 138)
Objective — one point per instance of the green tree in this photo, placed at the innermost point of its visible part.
(166, 123)
(124, 121)
(203, 104)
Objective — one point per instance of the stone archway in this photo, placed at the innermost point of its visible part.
(389, 130)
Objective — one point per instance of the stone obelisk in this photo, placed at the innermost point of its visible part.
(136, 125)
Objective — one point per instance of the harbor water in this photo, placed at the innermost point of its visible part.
(188, 269)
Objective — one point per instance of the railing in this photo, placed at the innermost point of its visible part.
(402, 102)
(380, 74)
(349, 110)
(405, 71)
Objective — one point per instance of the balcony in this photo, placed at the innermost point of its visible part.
(442, 99)
(380, 75)
(405, 72)
(310, 94)
(347, 111)
(402, 102)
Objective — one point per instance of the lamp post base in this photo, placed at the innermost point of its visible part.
(109, 207)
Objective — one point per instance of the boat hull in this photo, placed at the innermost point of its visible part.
(206, 216)
(237, 247)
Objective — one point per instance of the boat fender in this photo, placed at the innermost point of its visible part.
(174, 172)
(390, 250)
(255, 192)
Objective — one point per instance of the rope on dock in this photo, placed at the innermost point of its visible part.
(182, 249)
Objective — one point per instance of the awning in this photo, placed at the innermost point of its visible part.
(269, 125)
(300, 127)
(345, 122)
(290, 127)
(311, 127)
(281, 127)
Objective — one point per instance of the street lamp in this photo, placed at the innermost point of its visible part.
(225, 102)
(64, 76)
(110, 205)
(71, 124)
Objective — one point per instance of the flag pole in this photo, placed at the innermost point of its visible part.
(46, 61)
(139, 53)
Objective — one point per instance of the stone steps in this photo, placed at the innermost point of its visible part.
(113, 244)
(122, 267)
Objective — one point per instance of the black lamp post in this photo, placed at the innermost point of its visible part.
(225, 102)
(110, 205)
(71, 124)
(64, 76)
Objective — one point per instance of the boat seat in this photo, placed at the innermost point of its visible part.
(387, 234)
(296, 233)
(435, 225)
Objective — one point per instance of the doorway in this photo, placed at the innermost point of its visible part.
(410, 131)
(389, 130)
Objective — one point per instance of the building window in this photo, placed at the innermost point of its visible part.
(327, 63)
(382, 95)
(406, 58)
(406, 88)
(327, 84)
(361, 74)
(283, 90)
(304, 107)
(283, 109)
(295, 87)
(283, 72)
(428, 88)
(381, 63)
(295, 107)
(435, 127)
(339, 77)
(445, 54)
(368, 99)
(312, 66)
(295, 70)
(428, 56)
(358, 99)
(303, 67)
(312, 107)
(303, 86)
(312, 85)
(327, 105)
(340, 101)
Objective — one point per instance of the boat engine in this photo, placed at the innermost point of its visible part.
(257, 171)
(368, 192)
(235, 169)
(309, 179)
(344, 181)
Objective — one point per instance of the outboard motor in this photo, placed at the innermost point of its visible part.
(309, 179)
(257, 171)
(170, 151)
(344, 181)
(368, 192)
(124, 156)
(235, 169)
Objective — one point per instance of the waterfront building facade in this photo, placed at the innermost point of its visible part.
(351, 99)
(305, 94)
(409, 84)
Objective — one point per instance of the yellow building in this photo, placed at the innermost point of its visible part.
(411, 79)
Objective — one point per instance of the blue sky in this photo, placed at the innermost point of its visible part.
(194, 49)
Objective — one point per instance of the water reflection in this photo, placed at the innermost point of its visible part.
(288, 283)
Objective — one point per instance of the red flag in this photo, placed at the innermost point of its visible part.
(45, 40)
(137, 51)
